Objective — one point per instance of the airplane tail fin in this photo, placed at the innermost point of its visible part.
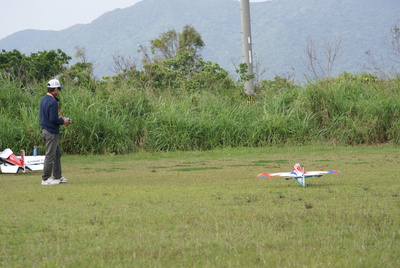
(12, 164)
(297, 168)
(12, 159)
(300, 173)
(23, 160)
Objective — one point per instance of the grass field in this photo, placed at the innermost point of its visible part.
(207, 209)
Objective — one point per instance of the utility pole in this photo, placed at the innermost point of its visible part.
(247, 45)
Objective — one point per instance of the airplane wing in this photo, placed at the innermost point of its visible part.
(320, 173)
(35, 167)
(281, 174)
(34, 160)
(294, 175)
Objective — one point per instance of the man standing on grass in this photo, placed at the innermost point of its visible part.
(50, 132)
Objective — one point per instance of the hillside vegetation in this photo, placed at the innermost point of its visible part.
(121, 117)
(178, 101)
(280, 32)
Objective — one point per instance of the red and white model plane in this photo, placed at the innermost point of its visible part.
(299, 174)
(10, 163)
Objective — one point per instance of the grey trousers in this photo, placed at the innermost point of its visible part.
(52, 161)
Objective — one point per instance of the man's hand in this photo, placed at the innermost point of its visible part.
(67, 121)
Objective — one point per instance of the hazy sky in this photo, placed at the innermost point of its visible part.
(18, 15)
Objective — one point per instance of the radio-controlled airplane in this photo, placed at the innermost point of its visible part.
(10, 163)
(299, 174)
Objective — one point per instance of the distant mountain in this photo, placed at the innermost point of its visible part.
(280, 30)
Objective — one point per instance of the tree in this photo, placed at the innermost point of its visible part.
(173, 58)
(379, 65)
(174, 62)
(81, 73)
(321, 65)
(395, 41)
(14, 64)
(48, 64)
(190, 41)
(166, 46)
(171, 44)
(36, 67)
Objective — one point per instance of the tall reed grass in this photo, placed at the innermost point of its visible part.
(121, 118)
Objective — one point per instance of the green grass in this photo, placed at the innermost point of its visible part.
(207, 209)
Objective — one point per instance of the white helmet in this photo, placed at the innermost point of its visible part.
(54, 83)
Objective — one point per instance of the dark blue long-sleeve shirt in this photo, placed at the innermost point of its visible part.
(49, 114)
